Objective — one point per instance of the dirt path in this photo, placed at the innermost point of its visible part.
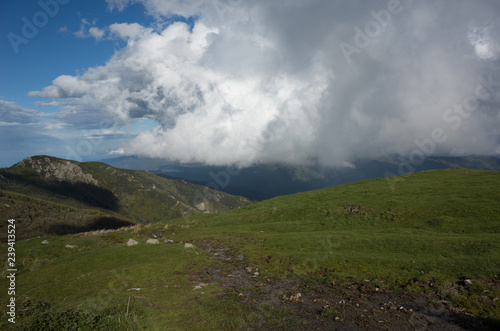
(305, 305)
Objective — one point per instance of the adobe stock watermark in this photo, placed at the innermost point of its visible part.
(11, 269)
(362, 39)
(85, 147)
(222, 10)
(454, 117)
(30, 28)
(220, 181)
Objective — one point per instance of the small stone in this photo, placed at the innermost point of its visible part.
(71, 246)
(197, 287)
(296, 297)
(45, 242)
(468, 282)
(134, 289)
(131, 242)
(188, 245)
(152, 241)
(168, 241)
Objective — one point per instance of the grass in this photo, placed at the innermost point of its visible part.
(438, 226)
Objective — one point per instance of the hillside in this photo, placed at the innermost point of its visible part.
(50, 195)
(357, 256)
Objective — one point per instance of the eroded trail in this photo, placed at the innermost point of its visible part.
(304, 304)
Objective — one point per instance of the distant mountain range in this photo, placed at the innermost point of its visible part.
(47, 195)
(268, 180)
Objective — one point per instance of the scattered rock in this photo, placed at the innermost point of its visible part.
(296, 297)
(197, 287)
(71, 246)
(168, 241)
(201, 206)
(134, 289)
(132, 242)
(152, 241)
(188, 245)
(467, 282)
(45, 242)
(352, 209)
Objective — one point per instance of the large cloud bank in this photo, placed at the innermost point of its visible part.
(300, 80)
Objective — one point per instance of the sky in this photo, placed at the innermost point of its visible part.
(235, 82)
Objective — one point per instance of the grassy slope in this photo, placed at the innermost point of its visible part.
(442, 220)
(41, 204)
(438, 225)
(37, 217)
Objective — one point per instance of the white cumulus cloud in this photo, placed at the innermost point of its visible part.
(267, 81)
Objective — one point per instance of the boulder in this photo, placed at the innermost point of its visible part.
(132, 242)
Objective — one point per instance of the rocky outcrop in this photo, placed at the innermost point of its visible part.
(61, 170)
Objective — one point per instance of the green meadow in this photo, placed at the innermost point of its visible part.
(429, 231)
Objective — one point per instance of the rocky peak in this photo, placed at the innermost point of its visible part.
(61, 170)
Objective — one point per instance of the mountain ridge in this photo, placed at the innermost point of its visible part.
(129, 196)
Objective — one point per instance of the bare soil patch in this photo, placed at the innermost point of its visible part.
(307, 304)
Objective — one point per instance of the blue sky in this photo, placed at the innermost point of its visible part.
(246, 82)
(57, 49)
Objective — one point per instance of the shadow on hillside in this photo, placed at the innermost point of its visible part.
(101, 223)
(89, 194)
